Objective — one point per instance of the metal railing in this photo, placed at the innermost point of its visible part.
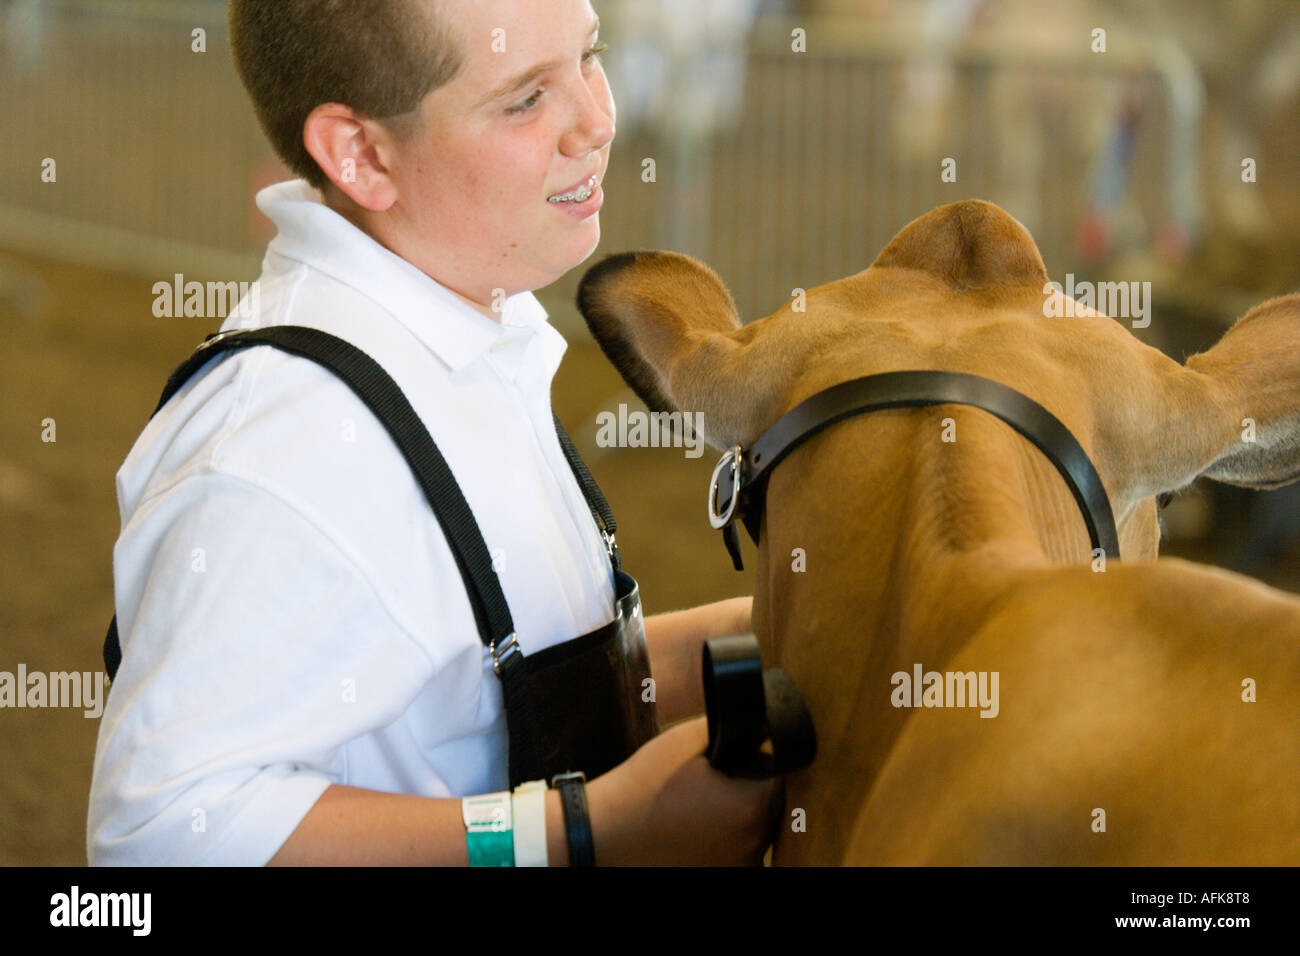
(158, 152)
(825, 165)
(155, 147)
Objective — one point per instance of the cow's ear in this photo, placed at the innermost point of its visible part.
(670, 327)
(1251, 382)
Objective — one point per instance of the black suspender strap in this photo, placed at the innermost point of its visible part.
(385, 399)
(591, 491)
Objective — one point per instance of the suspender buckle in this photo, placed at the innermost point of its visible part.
(216, 337)
(503, 651)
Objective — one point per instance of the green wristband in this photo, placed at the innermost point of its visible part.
(491, 847)
(489, 829)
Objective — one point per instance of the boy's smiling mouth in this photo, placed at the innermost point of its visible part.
(580, 193)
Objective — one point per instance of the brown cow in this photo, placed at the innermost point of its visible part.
(1124, 732)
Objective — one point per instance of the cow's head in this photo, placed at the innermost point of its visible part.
(963, 288)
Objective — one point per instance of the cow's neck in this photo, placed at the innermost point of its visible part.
(906, 542)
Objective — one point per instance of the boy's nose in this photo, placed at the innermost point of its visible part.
(593, 126)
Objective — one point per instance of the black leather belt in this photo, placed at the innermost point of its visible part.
(739, 482)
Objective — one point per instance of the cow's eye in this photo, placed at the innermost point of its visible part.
(1163, 499)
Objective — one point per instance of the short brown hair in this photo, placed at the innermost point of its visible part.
(378, 57)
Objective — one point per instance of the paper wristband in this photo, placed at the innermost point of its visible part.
(489, 829)
(530, 823)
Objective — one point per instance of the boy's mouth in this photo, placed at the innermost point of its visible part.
(579, 194)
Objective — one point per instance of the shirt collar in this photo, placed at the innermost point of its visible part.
(312, 233)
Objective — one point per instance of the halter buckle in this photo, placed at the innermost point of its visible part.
(733, 457)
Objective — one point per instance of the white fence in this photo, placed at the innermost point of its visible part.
(839, 147)
(155, 147)
(830, 152)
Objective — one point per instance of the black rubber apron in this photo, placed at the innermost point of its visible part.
(584, 704)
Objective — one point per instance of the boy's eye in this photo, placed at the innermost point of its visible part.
(525, 105)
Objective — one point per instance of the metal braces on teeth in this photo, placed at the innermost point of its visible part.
(582, 194)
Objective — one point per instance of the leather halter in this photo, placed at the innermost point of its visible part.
(740, 478)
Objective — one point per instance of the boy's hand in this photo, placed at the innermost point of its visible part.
(666, 805)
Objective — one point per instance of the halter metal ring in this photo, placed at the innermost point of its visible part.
(732, 457)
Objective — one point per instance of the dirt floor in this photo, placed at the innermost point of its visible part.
(83, 348)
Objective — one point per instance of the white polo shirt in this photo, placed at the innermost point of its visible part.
(290, 613)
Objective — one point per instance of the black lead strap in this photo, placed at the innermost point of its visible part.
(384, 398)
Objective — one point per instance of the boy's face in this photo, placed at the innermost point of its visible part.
(472, 205)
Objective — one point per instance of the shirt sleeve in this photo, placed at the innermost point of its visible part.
(253, 650)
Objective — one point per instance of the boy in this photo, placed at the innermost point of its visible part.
(302, 680)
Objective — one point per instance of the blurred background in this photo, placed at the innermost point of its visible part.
(784, 159)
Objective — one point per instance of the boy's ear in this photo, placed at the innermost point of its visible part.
(351, 152)
(1252, 385)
